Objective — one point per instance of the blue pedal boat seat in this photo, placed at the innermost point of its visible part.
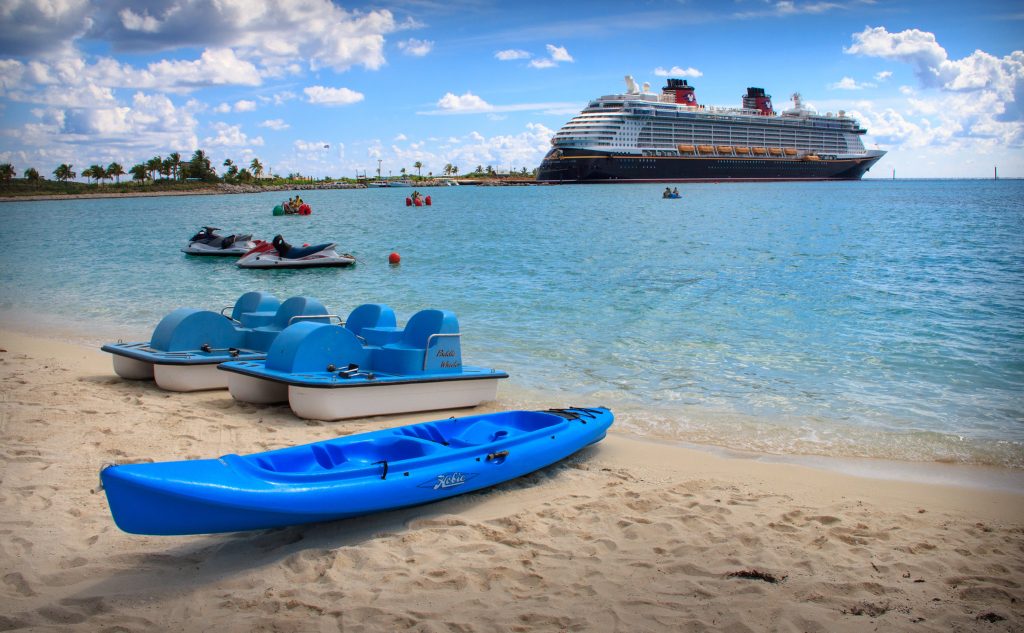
(429, 343)
(289, 312)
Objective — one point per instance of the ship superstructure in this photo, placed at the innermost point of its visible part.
(640, 136)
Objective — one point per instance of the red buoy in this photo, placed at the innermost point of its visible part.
(408, 202)
(418, 202)
(428, 201)
(394, 258)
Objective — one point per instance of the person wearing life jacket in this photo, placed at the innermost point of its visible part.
(675, 192)
(667, 193)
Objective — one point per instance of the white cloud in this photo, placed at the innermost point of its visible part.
(275, 124)
(323, 95)
(511, 54)
(990, 89)
(135, 22)
(785, 8)
(559, 54)
(401, 137)
(677, 71)
(883, 75)
(230, 136)
(28, 27)
(312, 146)
(848, 83)
(244, 105)
(415, 47)
(468, 102)
(222, 108)
(556, 55)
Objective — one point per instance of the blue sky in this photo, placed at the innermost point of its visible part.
(328, 89)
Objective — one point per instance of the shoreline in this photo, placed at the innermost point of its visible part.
(629, 534)
(963, 475)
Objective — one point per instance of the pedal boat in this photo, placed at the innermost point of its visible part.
(347, 476)
(326, 372)
(188, 344)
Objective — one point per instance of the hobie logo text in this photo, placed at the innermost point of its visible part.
(447, 480)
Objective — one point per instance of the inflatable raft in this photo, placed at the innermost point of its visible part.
(347, 476)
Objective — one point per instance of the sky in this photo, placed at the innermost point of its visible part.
(340, 89)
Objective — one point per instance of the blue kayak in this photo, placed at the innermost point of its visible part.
(347, 476)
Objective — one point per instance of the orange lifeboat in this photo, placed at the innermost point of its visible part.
(760, 151)
(775, 151)
(742, 150)
(705, 149)
(725, 149)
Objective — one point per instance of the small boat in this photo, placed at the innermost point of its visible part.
(672, 196)
(284, 209)
(280, 254)
(326, 372)
(208, 242)
(187, 344)
(347, 476)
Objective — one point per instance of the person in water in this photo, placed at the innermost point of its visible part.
(675, 192)
(668, 192)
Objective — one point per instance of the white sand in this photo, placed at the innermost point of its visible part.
(627, 536)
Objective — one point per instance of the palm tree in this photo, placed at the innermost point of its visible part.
(115, 170)
(139, 172)
(448, 169)
(403, 172)
(154, 165)
(455, 170)
(6, 173)
(232, 169)
(31, 174)
(479, 169)
(256, 167)
(418, 165)
(199, 165)
(95, 171)
(175, 162)
(64, 173)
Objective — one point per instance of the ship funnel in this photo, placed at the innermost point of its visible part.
(680, 92)
(631, 87)
(756, 99)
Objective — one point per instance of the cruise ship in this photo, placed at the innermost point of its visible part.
(642, 136)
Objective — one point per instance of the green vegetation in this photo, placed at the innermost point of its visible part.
(160, 174)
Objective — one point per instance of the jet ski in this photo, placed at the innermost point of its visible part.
(208, 242)
(280, 254)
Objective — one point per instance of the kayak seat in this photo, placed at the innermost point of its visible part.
(261, 338)
(407, 356)
(370, 315)
(479, 433)
(254, 302)
(297, 252)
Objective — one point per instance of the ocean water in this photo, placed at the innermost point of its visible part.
(864, 319)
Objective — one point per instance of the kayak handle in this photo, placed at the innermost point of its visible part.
(497, 455)
(385, 462)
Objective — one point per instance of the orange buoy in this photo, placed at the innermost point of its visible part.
(428, 201)
(394, 258)
(408, 202)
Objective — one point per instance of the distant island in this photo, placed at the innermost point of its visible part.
(160, 176)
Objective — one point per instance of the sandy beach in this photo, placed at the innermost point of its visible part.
(629, 535)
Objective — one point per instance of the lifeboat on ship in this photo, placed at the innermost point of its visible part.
(775, 151)
(790, 151)
(760, 151)
(742, 150)
(724, 149)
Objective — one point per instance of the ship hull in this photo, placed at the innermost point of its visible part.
(585, 166)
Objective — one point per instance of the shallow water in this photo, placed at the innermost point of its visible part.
(875, 318)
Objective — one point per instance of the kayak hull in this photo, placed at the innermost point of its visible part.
(347, 476)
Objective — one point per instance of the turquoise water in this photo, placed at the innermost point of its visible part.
(876, 318)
